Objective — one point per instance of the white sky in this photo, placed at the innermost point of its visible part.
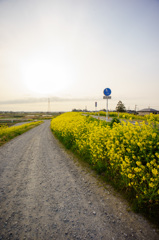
(71, 50)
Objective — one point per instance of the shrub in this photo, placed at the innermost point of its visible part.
(114, 120)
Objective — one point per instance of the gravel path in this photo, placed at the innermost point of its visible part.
(46, 194)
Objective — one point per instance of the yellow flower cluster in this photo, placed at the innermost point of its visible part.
(127, 152)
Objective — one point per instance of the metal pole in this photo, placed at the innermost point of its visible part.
(107, 109)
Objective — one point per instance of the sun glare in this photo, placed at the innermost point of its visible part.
(46, 77)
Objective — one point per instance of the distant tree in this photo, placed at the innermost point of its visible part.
(76, 110)
(120, 107)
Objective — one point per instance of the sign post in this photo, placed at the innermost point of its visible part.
(96, 110)
(107, 92)
(95, 106)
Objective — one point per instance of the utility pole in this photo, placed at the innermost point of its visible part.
(49, 109)
(135, 107)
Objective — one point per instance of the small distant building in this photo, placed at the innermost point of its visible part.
(147, 111)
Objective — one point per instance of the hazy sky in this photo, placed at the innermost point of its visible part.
(71, 50)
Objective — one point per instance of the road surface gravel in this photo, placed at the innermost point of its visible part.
(45, 193)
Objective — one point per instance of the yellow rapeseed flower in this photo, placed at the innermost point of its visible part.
(138, 163)
(154, 171)
(151, 185)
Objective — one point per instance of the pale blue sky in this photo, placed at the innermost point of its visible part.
(69, 51)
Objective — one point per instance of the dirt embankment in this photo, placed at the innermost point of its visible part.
(46, 194)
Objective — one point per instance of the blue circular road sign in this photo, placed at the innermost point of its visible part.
(107, 91)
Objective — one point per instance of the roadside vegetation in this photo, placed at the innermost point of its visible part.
(7, 133)
(126, 155)
(128, 116)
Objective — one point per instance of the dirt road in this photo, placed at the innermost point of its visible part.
(45, 194)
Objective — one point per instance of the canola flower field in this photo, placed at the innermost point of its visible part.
(127, 154)
(128, 116)
(7, 133)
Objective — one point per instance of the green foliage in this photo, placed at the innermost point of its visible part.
(114, 120)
